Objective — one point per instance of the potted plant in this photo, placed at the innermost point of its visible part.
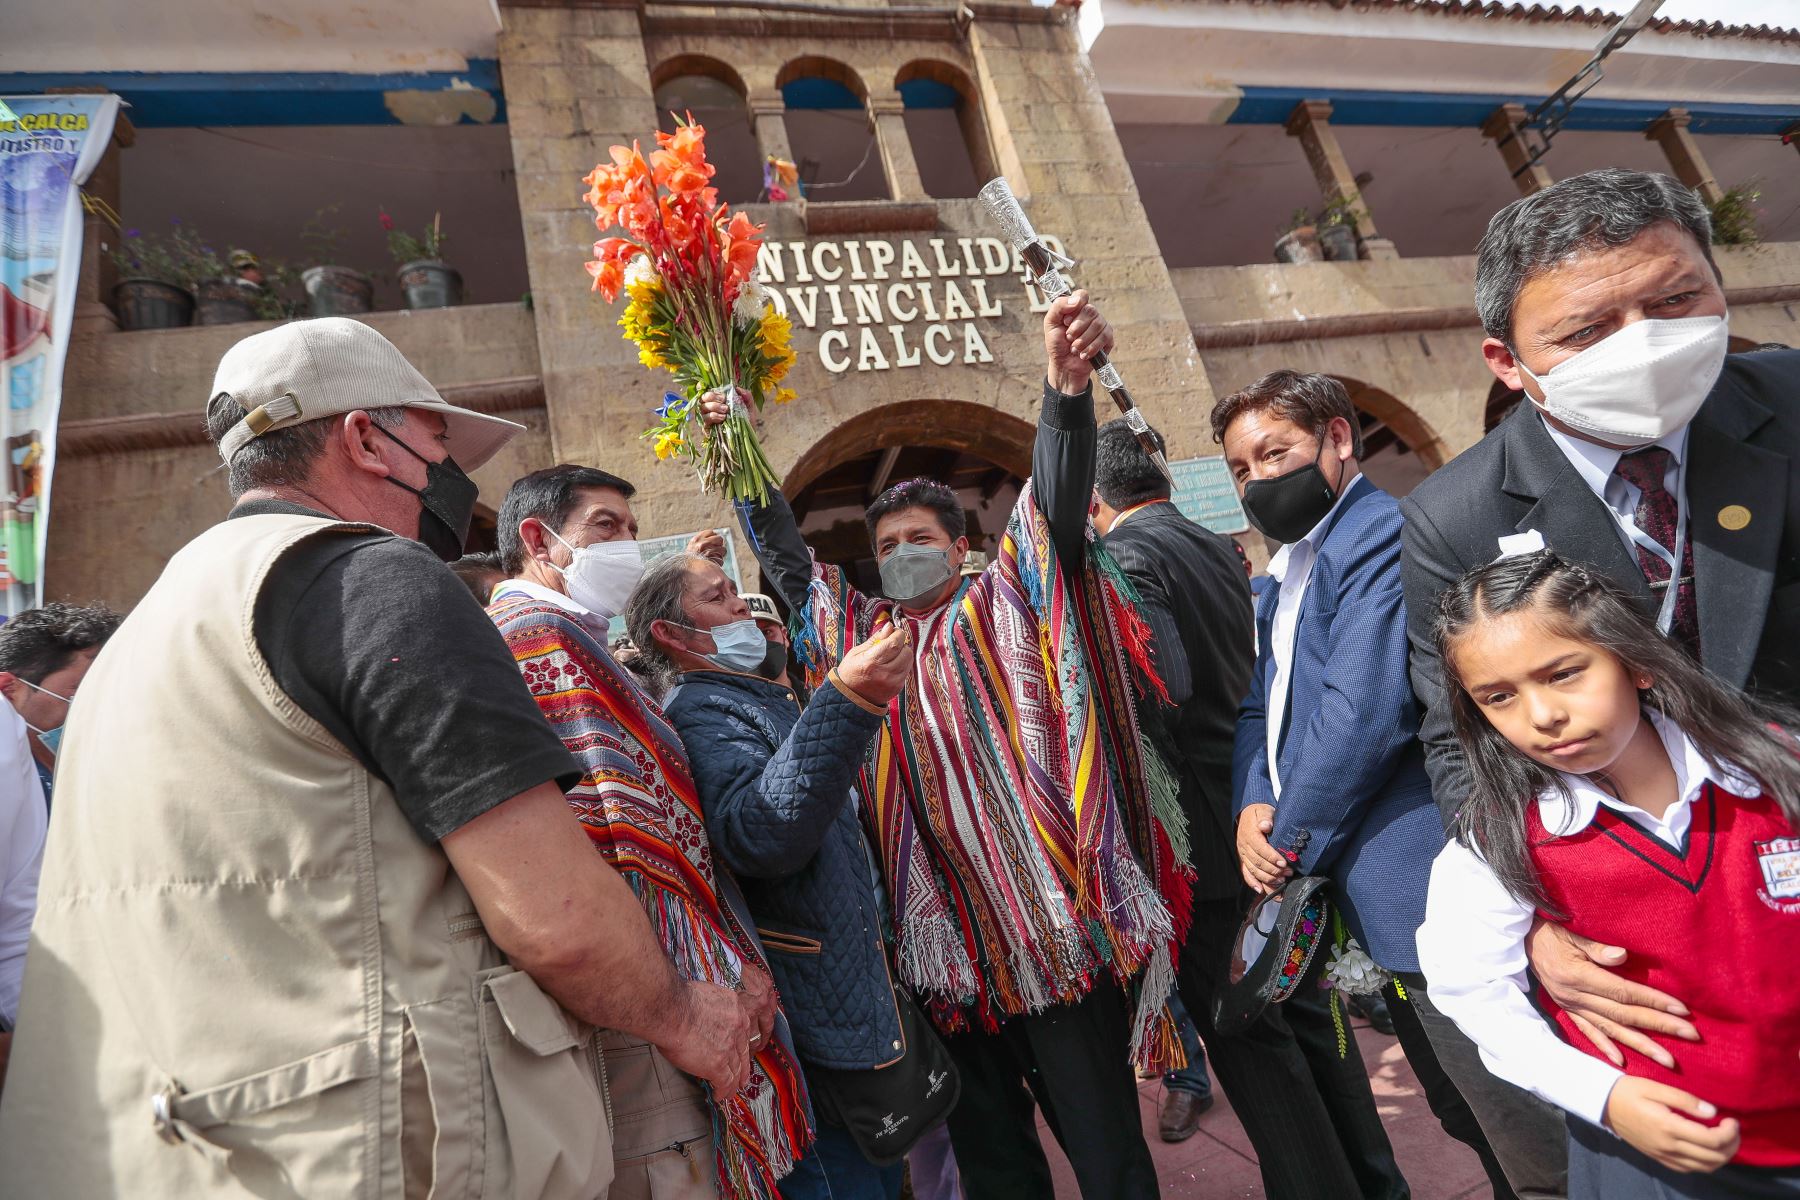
(427, 280)
(1337, 230)
(331, 290)
(226, 296)
(1734, 216)
(154, 279)
(1301, 241)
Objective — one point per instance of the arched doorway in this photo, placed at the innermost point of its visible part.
(1399, 448)
(984, 454)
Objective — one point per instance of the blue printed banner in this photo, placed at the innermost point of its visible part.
(49, 145)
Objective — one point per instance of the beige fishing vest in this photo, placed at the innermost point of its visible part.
(249, 977)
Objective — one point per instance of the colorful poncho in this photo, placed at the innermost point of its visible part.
(637, 802)
(1030, 839)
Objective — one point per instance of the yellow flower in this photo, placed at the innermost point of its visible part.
(648, 356)
(643, 291)
(776, 331)
(783, 395)
(668, 444)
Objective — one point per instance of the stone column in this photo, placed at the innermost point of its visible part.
(1671, 131)
(1502, 125)
(1311, 123)
(887, 114)
(99, 235)
(768, 116)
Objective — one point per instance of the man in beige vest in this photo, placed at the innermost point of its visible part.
(315, 919)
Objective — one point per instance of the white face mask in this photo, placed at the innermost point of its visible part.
(600, 577)
(1639, 385)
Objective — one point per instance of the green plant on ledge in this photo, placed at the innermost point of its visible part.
(406, 248)
(182, 257)
(1341, 211)
(1734, 216)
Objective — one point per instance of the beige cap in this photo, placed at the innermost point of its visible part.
(761, 607)
(308, 370)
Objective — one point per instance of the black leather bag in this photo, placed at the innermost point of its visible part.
(1273, 951)
(888, 1109)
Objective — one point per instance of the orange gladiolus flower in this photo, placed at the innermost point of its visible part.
(742, 241)
(608, 278)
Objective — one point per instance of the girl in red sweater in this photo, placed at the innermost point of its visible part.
(1619, 789)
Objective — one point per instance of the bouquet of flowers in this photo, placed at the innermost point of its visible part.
(687, 265)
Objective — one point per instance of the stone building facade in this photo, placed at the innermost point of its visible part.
(913, 326)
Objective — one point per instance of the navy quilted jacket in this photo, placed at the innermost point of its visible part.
(775, 785)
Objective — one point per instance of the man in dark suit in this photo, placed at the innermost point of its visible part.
(1328, 777)
(1308, 1112)
(1643, 451)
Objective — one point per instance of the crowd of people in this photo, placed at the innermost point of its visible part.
(358, 876)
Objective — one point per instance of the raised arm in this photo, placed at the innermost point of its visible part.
(1062, 459)
(770, 529)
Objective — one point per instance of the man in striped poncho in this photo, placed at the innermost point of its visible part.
(1010, 797)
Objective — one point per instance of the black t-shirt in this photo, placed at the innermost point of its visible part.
(377, 641)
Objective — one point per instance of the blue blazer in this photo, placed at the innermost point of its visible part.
(1352, 767)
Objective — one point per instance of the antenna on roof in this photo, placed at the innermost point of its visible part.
(1546, 120)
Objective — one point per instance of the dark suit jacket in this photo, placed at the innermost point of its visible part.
(1742, 450)
(1193, 594)
(1352, 771)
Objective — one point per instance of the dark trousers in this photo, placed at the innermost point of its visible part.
(1073, 1062)
(1603, 1167)
(1307, 1110)
(1527, 1135)
(1446, 1100)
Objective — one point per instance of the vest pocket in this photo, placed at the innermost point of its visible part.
(285, 1107)
(551, 1117)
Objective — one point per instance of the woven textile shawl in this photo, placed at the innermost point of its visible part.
(1030, 841)
(637, 802)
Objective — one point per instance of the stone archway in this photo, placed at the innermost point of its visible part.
(983, 454)
(1000, 437)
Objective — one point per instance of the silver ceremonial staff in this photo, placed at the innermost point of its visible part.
(1046, 267)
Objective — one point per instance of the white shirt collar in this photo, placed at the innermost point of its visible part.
(595, 623)
(1596, 463)
(1278, 564)
(1565, 815)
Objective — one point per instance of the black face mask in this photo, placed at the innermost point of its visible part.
(1288, 506)
(449, 500)
(775, 661)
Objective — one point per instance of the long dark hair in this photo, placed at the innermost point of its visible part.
(1728, 727)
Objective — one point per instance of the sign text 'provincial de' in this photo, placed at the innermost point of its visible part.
(881, 305)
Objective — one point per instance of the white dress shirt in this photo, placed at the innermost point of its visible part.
(1596, 464)
(23, 818)
(1472, 944)
(1291, 568)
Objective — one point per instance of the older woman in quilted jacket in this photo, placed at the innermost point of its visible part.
(776, 787)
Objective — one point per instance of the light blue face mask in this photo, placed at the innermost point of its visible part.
(741, 646)
(51, 738)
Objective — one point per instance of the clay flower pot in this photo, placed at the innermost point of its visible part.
(225, 302)
(430, 283)
(152, 304)
(1299, 245)
(338, 291)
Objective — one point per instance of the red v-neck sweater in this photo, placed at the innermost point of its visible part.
(1718, 928)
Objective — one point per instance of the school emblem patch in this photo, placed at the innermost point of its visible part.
(1779, 859)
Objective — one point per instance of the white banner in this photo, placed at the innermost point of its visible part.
(49, 146)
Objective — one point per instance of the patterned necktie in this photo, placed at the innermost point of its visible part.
(1658, 513)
